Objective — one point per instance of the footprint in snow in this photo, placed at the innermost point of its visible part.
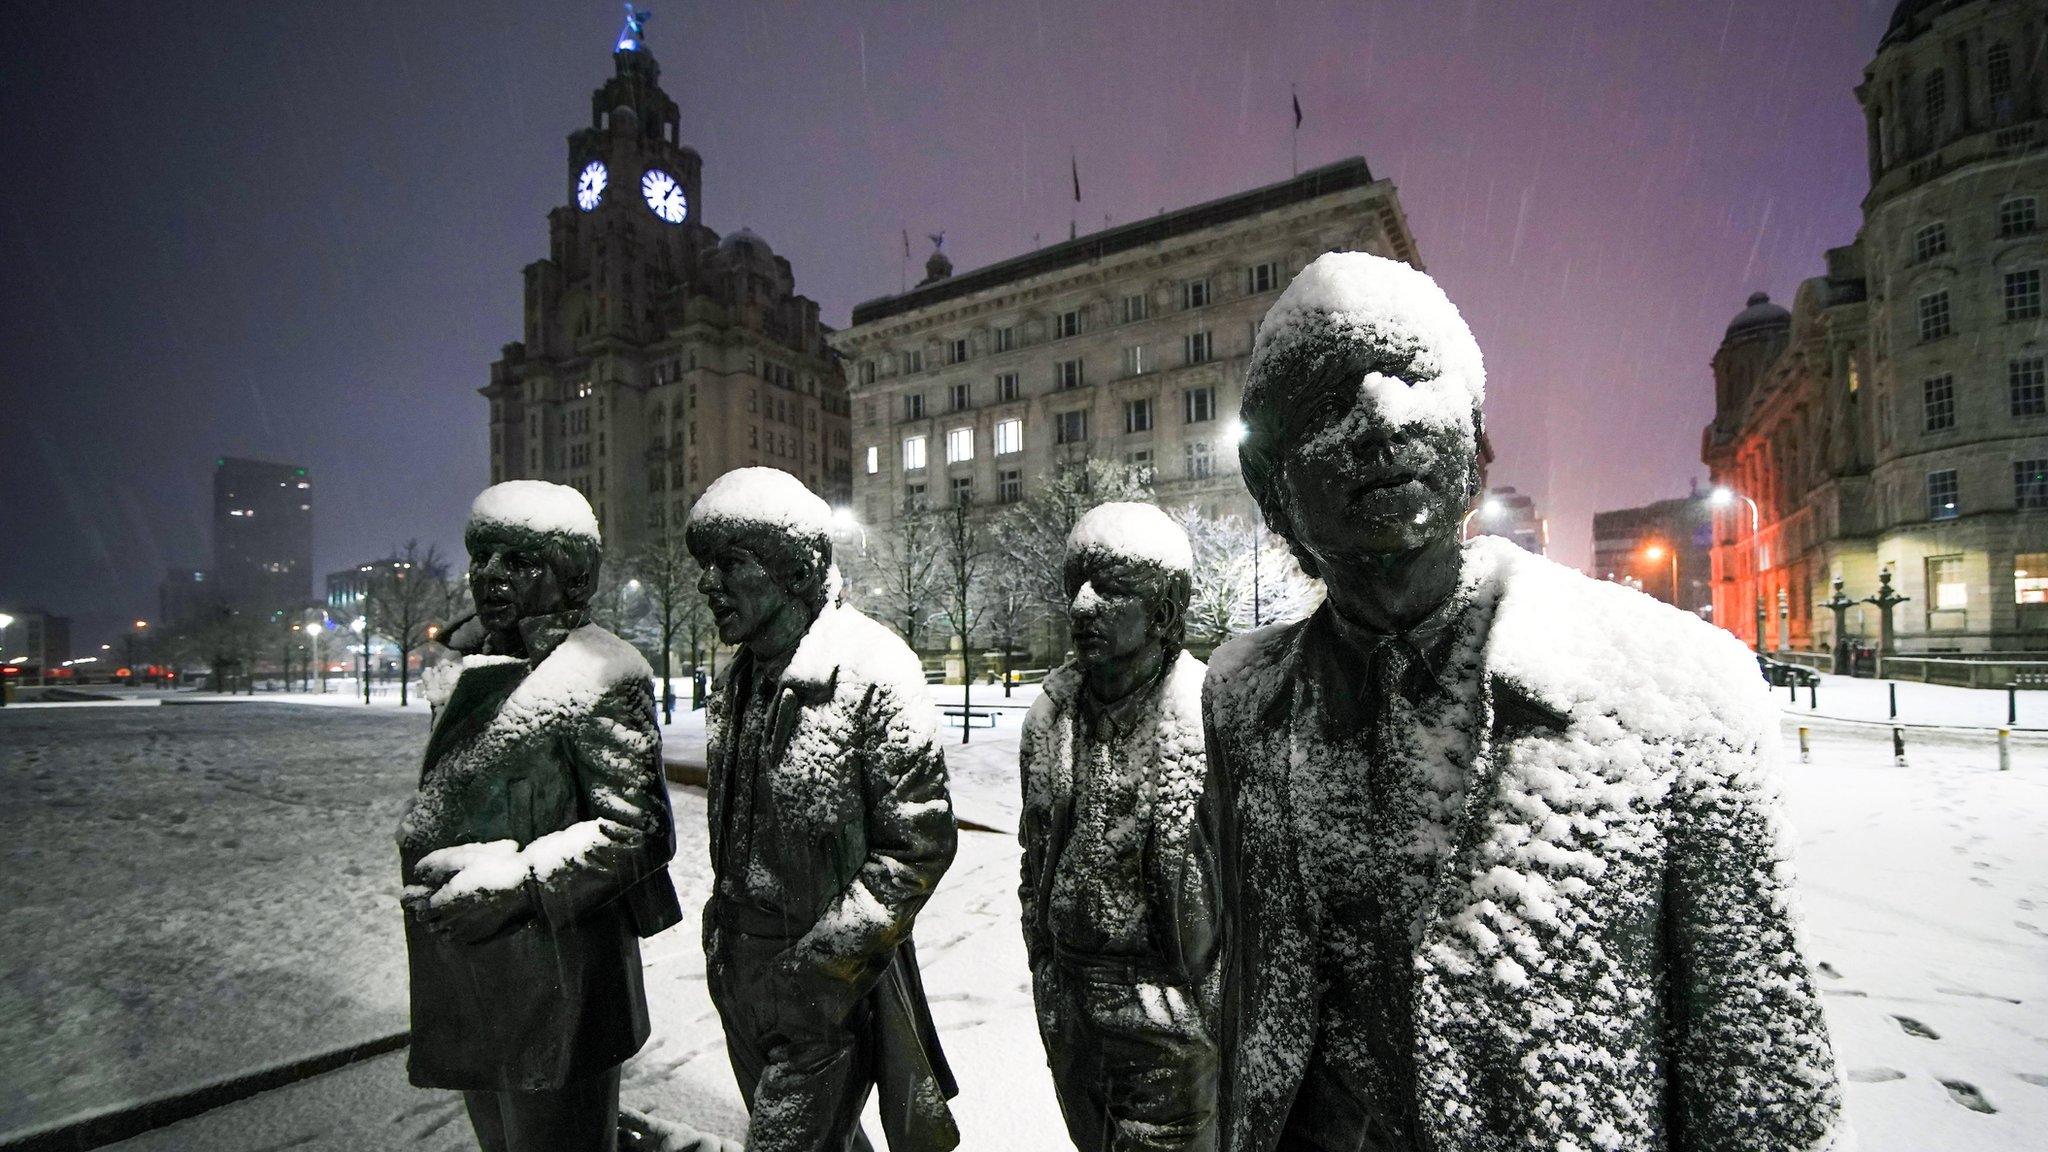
(1980, 882)
(1981, 866)
(1975, 995)
(1875, 1075)
(2029, 926)
(1828, 970)
(2034, 1078)
(2024, 904)
(1913, 1027)
(1968, 1096)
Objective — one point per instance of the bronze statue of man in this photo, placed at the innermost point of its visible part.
(830, 826)
(1119, 869)
(1501, 844)
(535, 851)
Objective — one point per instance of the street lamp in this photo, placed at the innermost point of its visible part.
(1725, 497)
(5, 622)
(1489, 509)
(361, 627)
(314, 628)
(1656, 552)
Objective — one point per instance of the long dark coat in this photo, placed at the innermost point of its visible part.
(1608, 958)
(863, 829)
(565, 742)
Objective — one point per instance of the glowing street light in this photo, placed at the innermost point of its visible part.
(1488, 509)
(5, 622)
(1656, 552)
(1725, 497)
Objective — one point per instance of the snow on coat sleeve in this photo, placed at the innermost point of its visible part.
(628, 831)
(911, 834)
(1751, 1065)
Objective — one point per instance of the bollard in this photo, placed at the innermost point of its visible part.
(1899, 747)
(2012, 704)
(1805, 752)
(1893, 690)
(2005, 749)
(1813, 695)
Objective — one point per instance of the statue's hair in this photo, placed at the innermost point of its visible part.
(799, 562)
(1161, 584)
(574, 559)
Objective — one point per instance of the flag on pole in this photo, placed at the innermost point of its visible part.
(1076, 164)
(906, 243)
(1297, 111)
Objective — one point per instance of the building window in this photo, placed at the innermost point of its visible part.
(963, 489)
(1194, 293)
(956, 350)
(2030, 484)
(1137, 416)
(1942, 495)
(959, 445)
(913, 361)
(1934, 315)
(1951, 592)
(1009, 437)
(1134, 360)
(1884, 417)
(1939, 403)
(1065, 324)
(1198, 405)
(1998, 81)
(1132, 308)
(1071, 427)
(874, 459)
(1141, 462)
(913, 497)
(960, 395)
(913, 453)
(2023, 295)
(1198, 347)
(2028, 386)
(1009, 486)
(2030, 578)
(1002, 339)
(2018, 216)
(1935, 94)
(867, 371)
(1200, 464)
(1266, 277)
(1006, 387)
(913, 406)
(1930, 241)
(1066, 374)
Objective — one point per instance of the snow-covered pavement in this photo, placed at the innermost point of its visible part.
(150, 961)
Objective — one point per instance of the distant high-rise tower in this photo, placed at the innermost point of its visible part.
(262, 535)
(656, 354)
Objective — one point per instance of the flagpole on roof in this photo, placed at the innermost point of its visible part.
(1294, 139)
(903, 269)
(1074, 166)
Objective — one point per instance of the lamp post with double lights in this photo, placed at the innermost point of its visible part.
(1725, 497)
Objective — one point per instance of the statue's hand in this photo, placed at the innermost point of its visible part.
(477, 914)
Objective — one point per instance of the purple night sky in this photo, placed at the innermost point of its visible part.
(294, 230)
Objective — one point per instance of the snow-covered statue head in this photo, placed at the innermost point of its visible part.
(765, 543)
(1361, 411)
(534, 549)
(1128, 573)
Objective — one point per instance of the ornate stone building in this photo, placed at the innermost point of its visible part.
(1128, 344)
(1897, 416)
(656, 354)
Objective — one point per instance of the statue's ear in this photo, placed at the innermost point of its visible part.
(581, 588)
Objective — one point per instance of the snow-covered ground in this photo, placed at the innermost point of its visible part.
(1844, 697)
(151, 962)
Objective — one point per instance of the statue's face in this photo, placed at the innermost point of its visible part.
(745, 598)
(1361, 481)
(510, 579)
(1113, 614)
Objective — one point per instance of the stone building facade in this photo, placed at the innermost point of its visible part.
(1896, 417)
(1128, 344)
(1664, 549)
(656, 354)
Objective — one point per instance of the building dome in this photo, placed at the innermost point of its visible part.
(744, 240)
(1911, 18)
(1760, 315)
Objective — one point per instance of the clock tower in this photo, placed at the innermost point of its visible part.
(657, 355)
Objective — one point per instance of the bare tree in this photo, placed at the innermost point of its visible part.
(407, 603)
(668, 581)
(1243, 578)
(1009, 608)
(966, 561)
(902, 575)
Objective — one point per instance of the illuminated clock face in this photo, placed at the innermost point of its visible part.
(664, 196)
(590, 185)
